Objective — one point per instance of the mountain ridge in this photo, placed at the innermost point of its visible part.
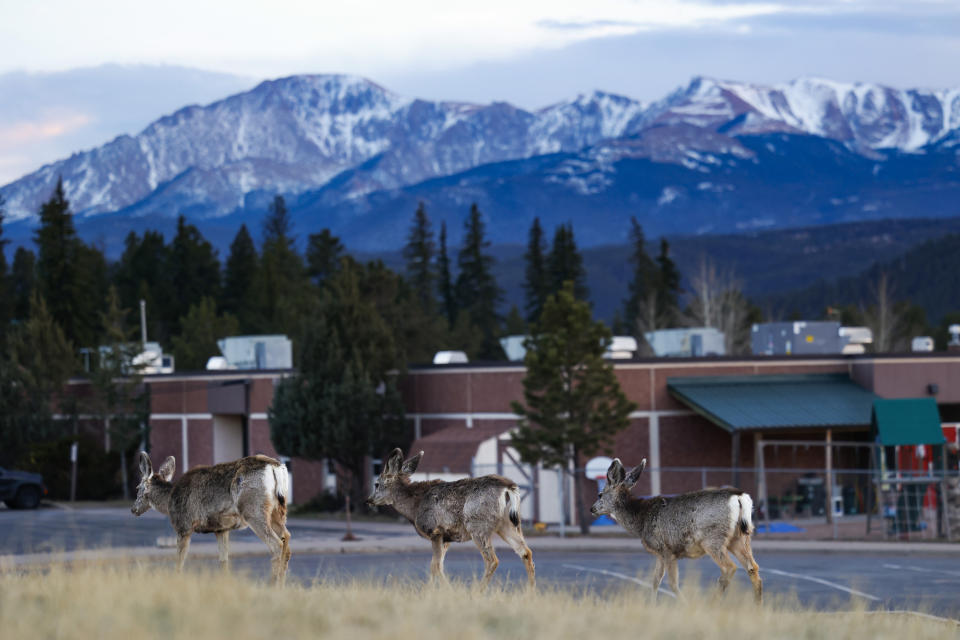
(299, 134)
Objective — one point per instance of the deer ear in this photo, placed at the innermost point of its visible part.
(411, 465)
(167, 468)
(146, 467)
(615, 473)
(634, 474)
(393, 462)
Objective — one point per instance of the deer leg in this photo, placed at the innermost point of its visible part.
(223, 549)
(727, 566)
(674, 576)
(278, 523)
(490, 561)
(741, 549)
(658, 570)
(436, 563)
(514, 537)
(263, 530)
(183, 545)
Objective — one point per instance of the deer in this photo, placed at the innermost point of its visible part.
(444, 512)
(713, 522)
(249, 492)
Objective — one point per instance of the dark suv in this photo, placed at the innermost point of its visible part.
(21, 490)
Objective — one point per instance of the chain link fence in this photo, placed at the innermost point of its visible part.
(797, 503)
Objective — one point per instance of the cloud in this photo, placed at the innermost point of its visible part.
(18, 134)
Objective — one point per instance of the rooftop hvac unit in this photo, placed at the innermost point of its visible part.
(921, 343)
(450, 357)
(257, 352)
(954, 330)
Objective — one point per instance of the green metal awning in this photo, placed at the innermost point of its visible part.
(907, 421)
(776, 402)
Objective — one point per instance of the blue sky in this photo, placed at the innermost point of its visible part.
(529, 52)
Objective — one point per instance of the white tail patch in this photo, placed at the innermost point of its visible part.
(746, 511)
(741, 514)
(281, 481)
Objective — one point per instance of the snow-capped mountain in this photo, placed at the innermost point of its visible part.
(297, 133)
(866, 116)
(349, 154)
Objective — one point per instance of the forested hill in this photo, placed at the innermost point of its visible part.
(927, 275)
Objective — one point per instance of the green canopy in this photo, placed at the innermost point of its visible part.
(907, 421)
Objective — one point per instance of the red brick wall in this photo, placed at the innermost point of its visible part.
(307, 479)
(200, 442)
(259, 438)
(165, 439)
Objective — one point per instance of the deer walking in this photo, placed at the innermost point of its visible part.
(715, 522)
(444, 512)
(249, 492)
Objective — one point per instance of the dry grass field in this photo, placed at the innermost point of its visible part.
(142, 601)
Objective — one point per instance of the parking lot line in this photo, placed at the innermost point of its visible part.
(622, 576)
(834, 585)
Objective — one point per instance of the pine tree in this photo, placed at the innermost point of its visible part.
(573, 405)
(194, 270)
(57, 261)
(201, 328)
(36, 365)
(142, 274)
(476, 290)
(448, 300)
(419, 253)
(23, 282)
(668, 291)
(324, 251)
(566, 264)
(537, 283)
(238, 277)
(645, 278)
(6, 309)
(343, 404)
(281, 289)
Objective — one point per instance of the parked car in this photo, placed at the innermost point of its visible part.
(20, 489)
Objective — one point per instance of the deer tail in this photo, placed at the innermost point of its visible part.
(511, 500)
(282, 482)
(745, 520)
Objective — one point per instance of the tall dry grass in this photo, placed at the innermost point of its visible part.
(141, 601)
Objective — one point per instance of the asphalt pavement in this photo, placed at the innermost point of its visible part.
(827, 575)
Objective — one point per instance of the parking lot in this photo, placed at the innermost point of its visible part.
(828, 580)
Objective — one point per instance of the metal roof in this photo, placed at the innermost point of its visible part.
(776, 401)
(907, 421)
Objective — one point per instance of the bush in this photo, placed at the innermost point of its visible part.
(98, 471)
(324, 502)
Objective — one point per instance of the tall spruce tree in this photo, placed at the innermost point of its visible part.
(645, 280)
(58, 261)
(448, 300)
(668, 292)
(6, 309)
(566, 264)
(324, 251)
(573, 405)
(281, 288)
(419, 254)
(194, 269)
(536, 285)
(238, 277)
(142, 274)
(477, 292)
(23, 282)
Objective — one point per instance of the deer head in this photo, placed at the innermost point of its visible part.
(153, 487)
(618, 485)
(396, 472)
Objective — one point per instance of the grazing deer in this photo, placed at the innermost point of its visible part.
(712, 522)
(444, 512)
(249, 492)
